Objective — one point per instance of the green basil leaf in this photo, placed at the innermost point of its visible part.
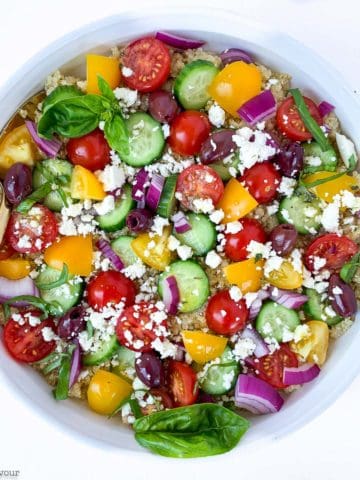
(34, 197)
(61, 391)
(31, 300)
(350, 268)
(135, 408)
(117, 135)
(63, 278)
(64, 92)
(105, 89)
(89, 329)
(321, 181)
(352, 161)
(186, 432)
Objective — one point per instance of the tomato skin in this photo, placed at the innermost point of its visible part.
(149, 59)
(335, 249)
(161, 392)
(182, 383)
(289, 121)
(45, 218)
(188, 132)
(26, 343)
(90, 151)
(262, 180)
(110, 287)
(192, 184)
(234, 319)
(270, 368)
(6, 251)
(236, 243)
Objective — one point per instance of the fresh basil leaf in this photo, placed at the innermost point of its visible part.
(321, 181)
(350, 268)
(197, 431)
(117, 135)
(34, 197)
(63, 92)
(89, 329)
(61, 391)
(105, 89)
(135, 408)
(31, 300)
(63, 278)
(352, 162)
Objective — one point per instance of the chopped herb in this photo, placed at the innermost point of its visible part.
(349, 269)
(34, 197)
(63, 278)
(61, 391)
(135, 408)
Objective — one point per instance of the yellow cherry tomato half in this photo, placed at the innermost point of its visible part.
(327, 191)
(246, 275)
(203, 347)
(314, 347)
(85, 185)
(235, 85)
(106, 391)
(153, 251)
(107, 67)
(236, 201)
(285, 277)
(75, 251)
(14, 268)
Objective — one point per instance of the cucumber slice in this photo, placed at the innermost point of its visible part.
(167, 200)
(192, 83)
(202, 235)
(315, 309)
(146, 140)
(65, 296)
(328, 159)
(221, 377)
(192, 282)
(122, 246)
(223, 169)
(126, 359)
(115, 220)
(301, 212)
(274, 321)
(106, 351)
(53, 168)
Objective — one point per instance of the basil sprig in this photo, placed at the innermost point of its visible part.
(321, 181)
(350, 268)
(34, 197)
(63, 278)
(48, 309)
(186, 432)
(61, 390)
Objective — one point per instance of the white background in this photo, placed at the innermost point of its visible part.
(326, 449)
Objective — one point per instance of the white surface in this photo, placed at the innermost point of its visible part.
(321, 450)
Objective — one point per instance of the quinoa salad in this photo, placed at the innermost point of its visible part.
(179, 239)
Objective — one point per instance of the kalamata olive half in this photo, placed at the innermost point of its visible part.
(17, 183)
(290, 159)
(149, 369)
(217, 146)
(283, 239)
(342, 297)
(163, 106)
(72, 323)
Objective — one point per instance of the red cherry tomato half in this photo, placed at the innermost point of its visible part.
(289, 120)
(225, 316)
(26, 343)
(335, 249)
(236, 243)
(33, 231)
(188, 132)
(149, 61)
(182, 382)
(271, 367)
(137, 327)
(90, 151)
(199, 182)
(165, 398)
(6, 251)
(110, 287)
(262, 181)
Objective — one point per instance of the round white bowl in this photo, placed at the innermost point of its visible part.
(221, 29)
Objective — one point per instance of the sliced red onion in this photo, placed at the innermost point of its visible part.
(109, 253)
(257, 396)
(325, 108)
(178, 41)
(139, 220)
(231, 55)
(14, 288)
(140, 184)
(154, 192)
(75, 366)
(256, 305)
(180, 352)
(49, 147)
(258, 108)
(303, 374)
(261, 348)
(181, 223)
(141, 203)
(287, 299)
(171, 295)
(205, 398)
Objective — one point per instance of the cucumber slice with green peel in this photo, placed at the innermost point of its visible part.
(302, 212)
(66, 295)
(192, 83)
(220, 377)
(192, 282)
(223, 169)
(122, 246)
(315, 309)
(276, 321)
(106, 351)
(167, 200)
(115, 220)
(146, 141)
(126, 361)
(316, 160)
(202, 235)
(50, 169)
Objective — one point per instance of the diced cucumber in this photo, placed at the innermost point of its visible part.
(192, 83)
(146, 140)
(122, 246)
(275, 321)
(48, 169)
(301, 211)
(126, 361)
(192, 282)
(316, 160)
(221, 377)
(167, 200)
(115, 220)
(202, 235)
(65, 296)
(223, 169)
(315, 309)
(106, 351)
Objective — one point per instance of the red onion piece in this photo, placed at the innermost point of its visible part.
(258, 108)
(109, 253)
(49, 147)
(14, 288)
(231, 55)
(178, 41)
(75, 366)
(261, 348)
(287, 299)
(303, 374)
(171, 295)
(257, 396)
(181, 223)
(257, 303)
(140, 185)
(154, 192)
(325, 108)
(139, 220)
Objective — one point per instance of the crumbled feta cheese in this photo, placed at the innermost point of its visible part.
(216, 216)
(235, 293)
(301, 332)
(136, 270)
(127, 72)
(250, 298)
(184, 252)
(346, 148)
(212, 259)
(244, 348)
(331, 216)
(256, 248)
(106, 206)
(126, 96)
(204, 205)
(287, 186)
(296, 260)
(112, 177)
(166, 130)
(216, 115)
(24, 242)
(165, 348)
(158, 225)
(318, 262)
(253, 146)
(233, 227)
(272, 263)
(173, 243)
(48, 334)
(273, 208)
(313, 161)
